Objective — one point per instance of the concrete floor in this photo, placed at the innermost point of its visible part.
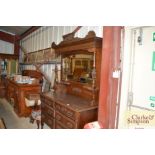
(12, 121)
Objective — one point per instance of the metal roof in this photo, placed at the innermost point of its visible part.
(15, 30)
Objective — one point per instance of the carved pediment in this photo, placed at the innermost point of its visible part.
(70, 38)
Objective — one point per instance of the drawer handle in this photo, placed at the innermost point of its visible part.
(49, 112)
(69, 125)
(70, 114)
(49, 103)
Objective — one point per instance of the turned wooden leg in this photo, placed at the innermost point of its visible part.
(38, 123)
(42, 125)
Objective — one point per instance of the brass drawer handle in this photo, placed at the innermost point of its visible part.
(69, 113)
(49, 112)
(49, 103)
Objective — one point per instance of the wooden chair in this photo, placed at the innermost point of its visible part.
(33, 101)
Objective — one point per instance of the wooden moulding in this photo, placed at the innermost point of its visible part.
(88, 45)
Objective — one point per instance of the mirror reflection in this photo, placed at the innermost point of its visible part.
(77, 67)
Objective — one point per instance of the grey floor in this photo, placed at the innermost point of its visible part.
(12, 121)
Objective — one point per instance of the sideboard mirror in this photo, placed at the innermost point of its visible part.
(77, 67)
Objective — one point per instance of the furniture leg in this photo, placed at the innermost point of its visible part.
(38, 123)
(42, 125)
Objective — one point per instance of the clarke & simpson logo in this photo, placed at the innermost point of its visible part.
(140, 118)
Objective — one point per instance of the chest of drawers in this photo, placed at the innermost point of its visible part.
(64, 111)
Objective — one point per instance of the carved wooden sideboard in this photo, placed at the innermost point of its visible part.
(16, 93)
(74, 101)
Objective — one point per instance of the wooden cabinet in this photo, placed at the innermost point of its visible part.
(16, 94)
(74, 101)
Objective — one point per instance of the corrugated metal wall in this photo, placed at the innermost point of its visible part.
(6, 47)
(44, 36)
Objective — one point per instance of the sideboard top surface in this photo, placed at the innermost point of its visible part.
(71, 101)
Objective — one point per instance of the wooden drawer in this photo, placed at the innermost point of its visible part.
(69, 124)
(66, 111)
(48, 120)
(47, 110)
(58, 125)
(48, 102)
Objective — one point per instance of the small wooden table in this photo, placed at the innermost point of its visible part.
(18, 92)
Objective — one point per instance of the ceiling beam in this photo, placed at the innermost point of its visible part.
(7, 37)
(30, 30)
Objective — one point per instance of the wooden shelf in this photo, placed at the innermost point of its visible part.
(37, 63)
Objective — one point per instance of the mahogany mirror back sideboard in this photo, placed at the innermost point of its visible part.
(74, 99)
